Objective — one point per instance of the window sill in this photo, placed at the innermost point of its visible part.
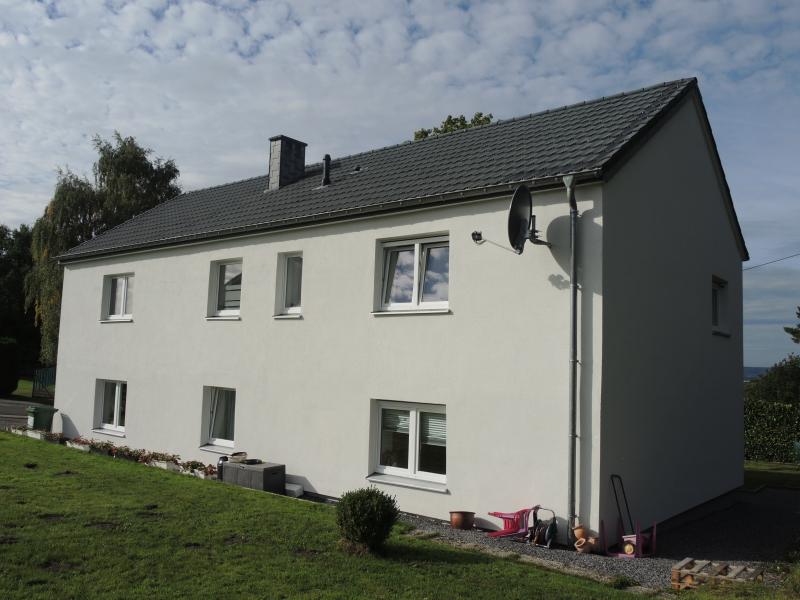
(111, 432)
(407, 482)
(225, 318)
(287, 316)
(217, 449)
(720, 333)
(122, 320)
(417, 311)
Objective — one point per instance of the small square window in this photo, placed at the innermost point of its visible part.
(412, 440)
(290, 284)
(226, 288)
(117, 297)
(416, 274)
(219, 416)
(111, 403)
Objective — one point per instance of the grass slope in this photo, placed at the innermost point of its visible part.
(757, 474)
(83, 526)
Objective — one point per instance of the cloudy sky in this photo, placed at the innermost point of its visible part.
(206, 83)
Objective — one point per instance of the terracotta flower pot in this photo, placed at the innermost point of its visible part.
(585, 546)
(462, 519)
(580, 531)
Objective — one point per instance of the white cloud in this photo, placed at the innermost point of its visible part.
(206, 83)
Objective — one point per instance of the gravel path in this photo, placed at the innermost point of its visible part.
(647, 572)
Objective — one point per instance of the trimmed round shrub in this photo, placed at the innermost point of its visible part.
(366, 516)
(9, 365)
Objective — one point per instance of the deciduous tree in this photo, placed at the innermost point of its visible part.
(126, 182)
(452, 123)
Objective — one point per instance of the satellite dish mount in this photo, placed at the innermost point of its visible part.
(522, 221)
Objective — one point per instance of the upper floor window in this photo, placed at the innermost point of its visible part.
(111, 401)
(290, 283)
(118, 297)
(226, 288)
(416, 274)
(719, 305)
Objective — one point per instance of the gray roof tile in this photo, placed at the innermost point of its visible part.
(580, 138)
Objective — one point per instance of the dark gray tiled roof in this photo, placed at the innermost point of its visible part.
(582, 138)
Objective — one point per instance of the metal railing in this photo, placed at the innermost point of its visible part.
(44, 383)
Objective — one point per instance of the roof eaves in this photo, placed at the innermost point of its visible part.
(467, 194)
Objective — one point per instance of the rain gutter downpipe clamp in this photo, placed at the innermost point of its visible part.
(569, 182)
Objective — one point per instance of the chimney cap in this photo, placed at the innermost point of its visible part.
(275, 138)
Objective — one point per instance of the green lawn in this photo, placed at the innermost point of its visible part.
(84, 526)
(757, 474)
(24, 388)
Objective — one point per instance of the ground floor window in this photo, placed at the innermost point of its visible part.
(412, 440)
(111, 405)
(220, 407)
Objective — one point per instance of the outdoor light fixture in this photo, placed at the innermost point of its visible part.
(477, 237)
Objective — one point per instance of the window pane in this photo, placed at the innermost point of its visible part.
(222, 427)
(399, 284)
(129, 296)
(123, 394)
(115, 297)
(433, 443)
(437, 273)
(394, 438)
(230, 286)
(109, 397)
(294, 280)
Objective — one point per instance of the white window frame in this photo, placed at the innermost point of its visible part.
(414, 409)
(283, 282)
(115, 426)
(420, 258)
(125, 315)
(213, 296)
(208, 420)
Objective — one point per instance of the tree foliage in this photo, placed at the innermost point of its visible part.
(15, 263)
(794, 332)
(126, 182)
(452, 123)
(772, 412)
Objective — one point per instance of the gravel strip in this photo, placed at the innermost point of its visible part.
(651, 572)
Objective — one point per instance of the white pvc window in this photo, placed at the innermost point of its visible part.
(226, 288)
(119, 298)
(112, 406)
(416, 274)
(412, 440)
(221, 418)
(291, 283)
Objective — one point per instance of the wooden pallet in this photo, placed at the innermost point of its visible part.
(689, 573)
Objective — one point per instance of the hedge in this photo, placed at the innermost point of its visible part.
(9, 365)
(771, 430)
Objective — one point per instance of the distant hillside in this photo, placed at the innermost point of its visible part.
(753, 372)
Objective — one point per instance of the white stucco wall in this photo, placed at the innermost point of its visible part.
(671, 391)
(304, 388)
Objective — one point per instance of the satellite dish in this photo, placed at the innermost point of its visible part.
(521, 221)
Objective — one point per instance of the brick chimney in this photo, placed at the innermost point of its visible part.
(287, 161)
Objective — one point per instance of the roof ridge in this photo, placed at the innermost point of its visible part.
(440, 136)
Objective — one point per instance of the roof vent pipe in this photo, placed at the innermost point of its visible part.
(326, 170)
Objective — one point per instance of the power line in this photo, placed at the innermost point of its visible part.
(772, 261)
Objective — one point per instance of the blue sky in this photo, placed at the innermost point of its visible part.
(207, 83)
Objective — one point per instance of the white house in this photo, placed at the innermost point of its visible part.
(353, 330)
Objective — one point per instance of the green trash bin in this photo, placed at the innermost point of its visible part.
(41, 417)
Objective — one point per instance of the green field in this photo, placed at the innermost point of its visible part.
(84, 526)
(24, 388)
(757, 474)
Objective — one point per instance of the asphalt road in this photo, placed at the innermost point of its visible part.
(12, 413)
